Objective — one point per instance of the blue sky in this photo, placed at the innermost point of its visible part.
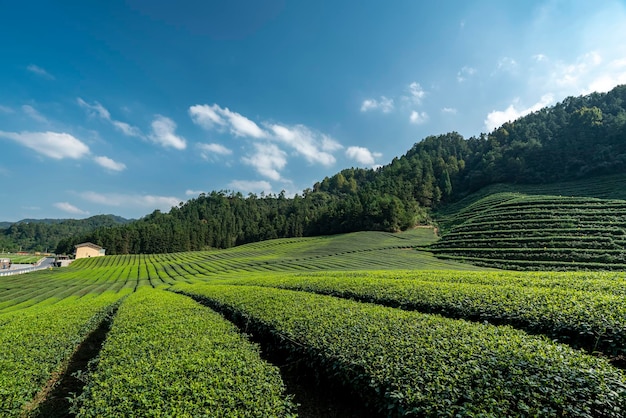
(124, 107)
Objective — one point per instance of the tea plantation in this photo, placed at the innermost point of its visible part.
(372, 315)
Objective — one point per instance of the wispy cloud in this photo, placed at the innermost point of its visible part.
(267, 157)
(69, 208)
(210, 117)
(506, 64)
(131, 200)
(383, 104)
(313, 146)
(164, 133)
(418, 118)
(590, 72)
(464, 73)
(417, 93)
(449, 110)
(268, 160)
(51, 144)
(412, 97)
(362, 155)
(190, 192)
(212, 151)
(40, 71)
(249, 186)
(6, 109)
(32, 113)
(109, 164)
(512, 112)
(97, 110)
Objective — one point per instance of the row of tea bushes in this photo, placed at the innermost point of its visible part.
(36, 344)
(167, 355)
(574, 314)
(407, 363)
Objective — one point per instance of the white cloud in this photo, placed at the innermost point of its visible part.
(97, 110)
(131, 200)
(51, 144)
(464, 73)
(40, 72)
(34, 114)
(449, 110)
(109, 164)
(94, 110)
(163, 133)
(69, 208)
(362, 155)
(592, 73)
(213, 116)
(250, 186)
(384, 104)
(127, 129)
(210, 151)
(498, 117)
(206, 116)
(267, 160)
(418, 118)
(313, 146)
(329, 144)
(242, 126)
(5, 109)
(539, 57)
(194, 192)
(417, 92)
(573, 75)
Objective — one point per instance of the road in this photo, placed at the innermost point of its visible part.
(47, 262)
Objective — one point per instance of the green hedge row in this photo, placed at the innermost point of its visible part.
(168, 356)
(592, 320)
(37, 342)
(410, 364)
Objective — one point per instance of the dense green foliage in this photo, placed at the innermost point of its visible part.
(166, 355)
(580, 309)
(45, 234)
(408, 363)
(38, 342)
(575, 139)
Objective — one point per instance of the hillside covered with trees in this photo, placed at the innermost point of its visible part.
(45, 234)
(577, 138)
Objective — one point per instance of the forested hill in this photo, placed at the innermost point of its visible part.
(577, 138)
(42, 234)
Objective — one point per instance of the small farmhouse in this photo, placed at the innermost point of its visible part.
(87, 249)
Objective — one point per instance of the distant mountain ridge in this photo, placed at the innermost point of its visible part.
(50, 221)
(45, 234)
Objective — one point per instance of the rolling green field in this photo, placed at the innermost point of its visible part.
(374, 315)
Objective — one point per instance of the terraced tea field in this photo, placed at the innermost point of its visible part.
(528, 229)
(373, 317)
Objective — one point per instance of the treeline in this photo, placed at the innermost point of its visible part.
(45, 234)
(577, 138)
(223, 220)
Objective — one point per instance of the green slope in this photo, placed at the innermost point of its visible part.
(572, 225)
